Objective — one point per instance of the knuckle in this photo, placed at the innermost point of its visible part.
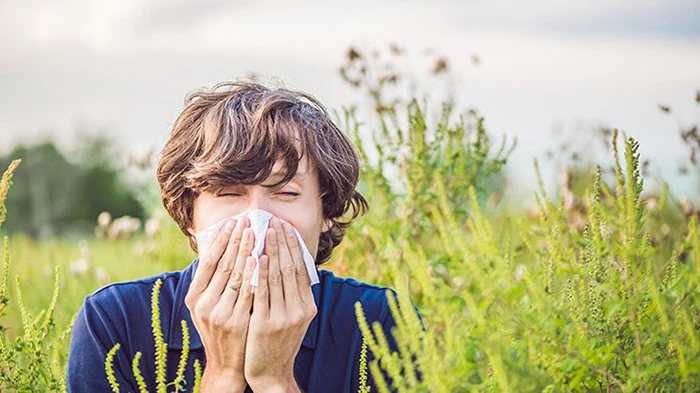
(262, 290)
(275, 279)
(208, 262)
(225, 267)
(288, 269)
(245, 237)
(219, 320)
(311, 311)
(236, 278)
(201, 311)
(221, 240)
(245, 293)
(297, 317)
(236, 240)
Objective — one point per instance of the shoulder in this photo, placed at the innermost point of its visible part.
(123, 306)
(117, 313)
(346, 292)
(122, 312)
(132, 291)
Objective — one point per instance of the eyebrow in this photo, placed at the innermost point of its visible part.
(298, 177)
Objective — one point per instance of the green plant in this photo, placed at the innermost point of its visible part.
(34, 360)
(160, 358)
(541, 306)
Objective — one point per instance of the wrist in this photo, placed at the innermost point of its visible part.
(221, 381)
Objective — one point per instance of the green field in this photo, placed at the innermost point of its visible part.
(594, 290)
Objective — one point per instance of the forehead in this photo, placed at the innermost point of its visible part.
(304, 168)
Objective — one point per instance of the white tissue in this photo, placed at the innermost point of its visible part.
(259, 221)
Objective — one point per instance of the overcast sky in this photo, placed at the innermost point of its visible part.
(125, 66)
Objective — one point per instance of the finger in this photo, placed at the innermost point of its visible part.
(235, 281)
(302, 275)
(245, 296)
(261, 300)
(227, 263)
(207, 266)
(287, 267)
(274, 278)
(246, 247)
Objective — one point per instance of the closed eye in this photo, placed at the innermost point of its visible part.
(283, 193)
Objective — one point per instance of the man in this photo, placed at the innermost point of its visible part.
(237, 148)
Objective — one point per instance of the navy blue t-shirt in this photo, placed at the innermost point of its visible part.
(328, 360)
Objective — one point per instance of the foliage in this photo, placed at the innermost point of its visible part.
(35, 360)
(59, 196)
(538, 305)
(160, 355)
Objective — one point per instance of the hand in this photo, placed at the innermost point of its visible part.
(220, 302)
(283, 308)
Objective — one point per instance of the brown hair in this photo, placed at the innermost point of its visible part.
(234, 133)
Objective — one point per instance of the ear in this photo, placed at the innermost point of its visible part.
(327, 225)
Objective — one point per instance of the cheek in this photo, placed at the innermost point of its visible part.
(208, 211)
(309, 231)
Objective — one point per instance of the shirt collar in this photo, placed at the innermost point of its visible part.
(180, 312)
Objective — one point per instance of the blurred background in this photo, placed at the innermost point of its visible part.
(90, 90)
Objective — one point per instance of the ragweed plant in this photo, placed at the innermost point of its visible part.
(160, 356)
(364, 388)
(537, 305)
(34, 360)
(435, 165)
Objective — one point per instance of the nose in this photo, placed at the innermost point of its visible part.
(258, 199)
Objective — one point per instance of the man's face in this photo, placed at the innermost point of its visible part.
(297, 202)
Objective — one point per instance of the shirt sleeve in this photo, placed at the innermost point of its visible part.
(388, 322)
(92, 337)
